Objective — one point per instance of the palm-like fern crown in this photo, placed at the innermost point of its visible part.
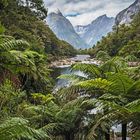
(111, 77)
(17, 57)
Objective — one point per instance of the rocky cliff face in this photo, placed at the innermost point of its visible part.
(64, 30)
(96, 30)
(126, 16)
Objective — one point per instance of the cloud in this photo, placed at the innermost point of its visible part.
(82, 12)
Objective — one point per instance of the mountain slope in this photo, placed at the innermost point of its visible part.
(123, 41)
(96, 30)
(126, 16)
(64, 30)
(23, 24)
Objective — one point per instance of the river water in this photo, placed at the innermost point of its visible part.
(66, 69)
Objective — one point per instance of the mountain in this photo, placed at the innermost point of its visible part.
(81, 30)
(96, 30)
(64, 30)
(126, 16)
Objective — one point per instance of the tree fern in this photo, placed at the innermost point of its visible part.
(116, 64)
(90, 70)
(72, 77)
(17, 128)
(13, 44)
(88, 87)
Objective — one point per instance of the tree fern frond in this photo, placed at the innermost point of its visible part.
(5, 38)
(53, 128)
(119, 113)
(95, 83)
(90, 70)
(116, 99)
(72, 77)
(134, 106)
(93, 86)
(115, 64)
(121, 83)
(17, 128)
(13, 44)
(134, 90)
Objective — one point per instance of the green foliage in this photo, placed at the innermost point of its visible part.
(123, 41)
(2, 29)
(10, 97)
(22, 22)
(107, 94)
(115, 93)
(43, 99)
(132, 48)
(38, 8)
(103, 56)
(88, 69)
(18, 59)
(18, 128)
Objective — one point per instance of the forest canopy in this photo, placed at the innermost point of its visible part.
(90, 107)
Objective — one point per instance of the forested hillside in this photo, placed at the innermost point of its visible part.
(24, 20)
(123, 41)
(92, 107)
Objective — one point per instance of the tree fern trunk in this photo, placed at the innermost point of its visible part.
(69, 136)
(107, 136)
(124, 131)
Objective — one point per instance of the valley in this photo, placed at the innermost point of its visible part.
(69, 74)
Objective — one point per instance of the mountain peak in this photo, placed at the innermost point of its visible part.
(94, 31)
(64, 30)
(103, 16)
(126, 16)
(58, 12)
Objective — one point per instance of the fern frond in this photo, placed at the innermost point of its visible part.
(121, 83)
(87, 87)
(14, 44)
(91, 70)
(134, 106)
(97, 83)
(72, 77)
(115, 64)
(17, 128)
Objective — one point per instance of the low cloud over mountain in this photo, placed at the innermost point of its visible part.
(82, 12)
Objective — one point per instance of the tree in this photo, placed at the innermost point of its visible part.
(57, 117)
(116, 84)
(38, 8)
(121, 40)
(18, 128)
(3, 4)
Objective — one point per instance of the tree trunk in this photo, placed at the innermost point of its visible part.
(100, 132)
(124, 131)
(69, 136)
(107, 135)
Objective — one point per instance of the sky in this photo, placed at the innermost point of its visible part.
(83, 12)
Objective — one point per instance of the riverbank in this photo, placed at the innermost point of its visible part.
(67, 62)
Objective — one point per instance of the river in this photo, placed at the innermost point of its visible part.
(66, 69)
